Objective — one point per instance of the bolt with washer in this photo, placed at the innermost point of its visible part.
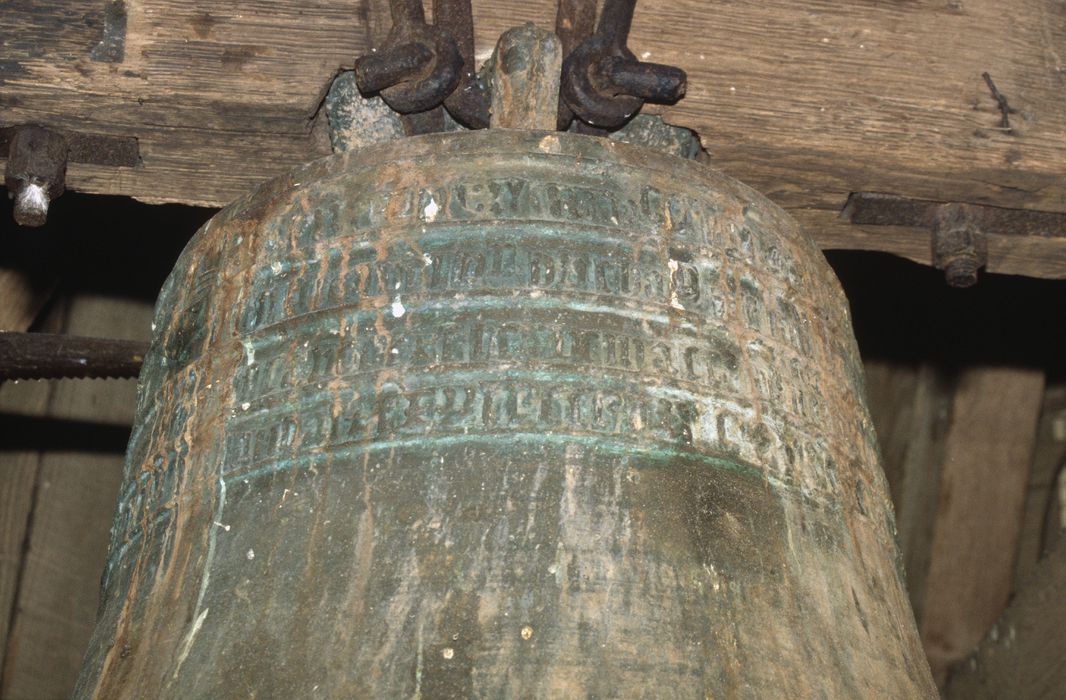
(36, 172)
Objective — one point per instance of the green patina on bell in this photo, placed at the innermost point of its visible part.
(497, 414)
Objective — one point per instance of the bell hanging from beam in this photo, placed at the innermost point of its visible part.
(503, 413)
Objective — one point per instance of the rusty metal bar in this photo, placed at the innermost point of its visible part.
(873, 209)
(52, 356)
(93, 149)
(958, 231)
(416, 67)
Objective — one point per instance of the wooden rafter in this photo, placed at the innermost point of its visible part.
(805, 100)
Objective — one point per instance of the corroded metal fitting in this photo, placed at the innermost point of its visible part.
(604, 84)
(468, 103)
(960, 247)
(418, 66)
(36, 172)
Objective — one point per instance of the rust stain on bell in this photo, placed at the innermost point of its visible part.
(498, 414)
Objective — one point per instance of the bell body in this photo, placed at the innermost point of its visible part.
(501, 414)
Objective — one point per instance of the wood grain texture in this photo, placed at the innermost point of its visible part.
(220, 95)
(910, 406)
(1049, 458)
(18, 474)
(806, 100)
(71, 516)
(887, 95)
(21, 298)
(987, 453)
(1021, 658)
(18, 477)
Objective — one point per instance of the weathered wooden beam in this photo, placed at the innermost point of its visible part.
(1022, 656)
(987, 454)
(805, 100)
(213, 91)
(867, 94)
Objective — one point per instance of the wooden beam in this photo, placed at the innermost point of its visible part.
(805, 100)
(809, 101)
(220, 95)
(987, 453)
(890, 390)
(1022, 657)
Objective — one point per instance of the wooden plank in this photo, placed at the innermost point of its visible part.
(18, 474)
(21, 299)
(987, 453)
(1049, 458)
(68, 538)
(1022, 656)
(18, 478)
(806, 100)
(910, 405)
(1055, 524)
(890, 388)
(249, 60)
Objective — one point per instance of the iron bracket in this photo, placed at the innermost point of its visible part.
(959, 231)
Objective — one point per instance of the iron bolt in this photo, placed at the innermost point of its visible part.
(960, 247)
(36, 172)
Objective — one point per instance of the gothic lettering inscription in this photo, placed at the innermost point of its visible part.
(631, 316)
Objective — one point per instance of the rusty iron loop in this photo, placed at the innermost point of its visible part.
(418, 66)
(392, 65)
(575, 21)
(604, 83)
(468, 103)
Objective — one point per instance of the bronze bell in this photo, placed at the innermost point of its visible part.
(503, 414)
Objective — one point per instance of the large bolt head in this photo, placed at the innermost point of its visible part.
(36, 172)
